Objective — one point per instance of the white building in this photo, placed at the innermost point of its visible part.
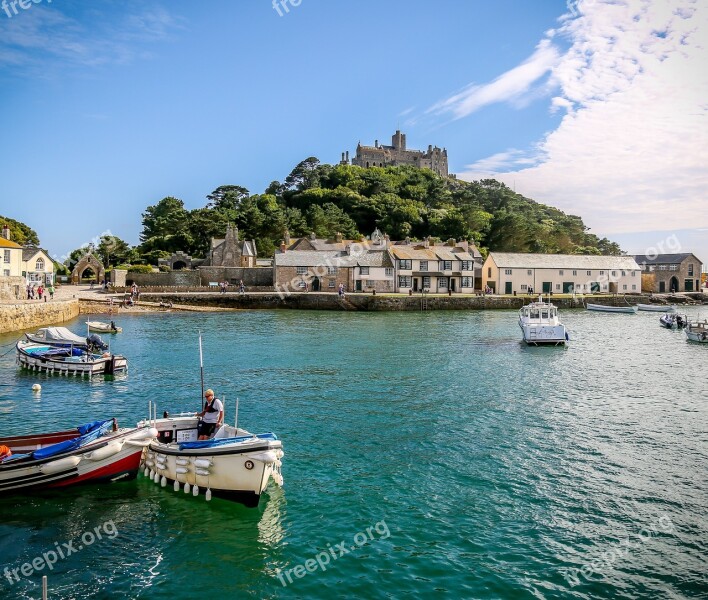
(508, 273)
(37, 267)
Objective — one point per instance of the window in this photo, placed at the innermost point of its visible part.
(614, 273)
(446, 265)
(426, 283)
(331, 283)
(489, 271)
(467, 282)
(405, 265)
(364, 270)
(369, 283)
(39, 265)
(301, 270)
(624, 273)
(604, 286)
(467, 265)
(589, 273)
(301, 284)
(423, 265)
(634, 286)
(558, 286)
(577, 286)
(560, 272)
(673, 267)
(624, 287)
(663, 267)
(404, 281)
(331, 270)
(6, 272)
(634, 273)
(442, 283)
(575, 272)
(690, 270)
(524, 287)
(389, 272)
(602, 272)
(529, 272)
(507, 271)
(7, 256)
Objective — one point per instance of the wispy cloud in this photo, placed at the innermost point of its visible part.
(631, 152)
(510, 86)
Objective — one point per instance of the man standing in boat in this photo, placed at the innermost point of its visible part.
(211, 417)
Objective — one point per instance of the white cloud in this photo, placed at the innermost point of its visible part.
(510, 86)
(631, 152)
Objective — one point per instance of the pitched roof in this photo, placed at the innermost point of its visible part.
(521, 260)
(313, 258)
(29, 251)
(663, 259)
(8, 243)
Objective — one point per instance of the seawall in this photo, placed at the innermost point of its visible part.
(18, 317)
(368, 302)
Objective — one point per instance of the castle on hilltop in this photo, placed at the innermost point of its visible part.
(397, 154)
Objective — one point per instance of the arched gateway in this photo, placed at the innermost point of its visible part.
(88, 261)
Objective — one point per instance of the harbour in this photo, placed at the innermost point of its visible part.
(506, 469)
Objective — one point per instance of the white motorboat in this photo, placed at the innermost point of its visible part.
(612, 309)
(91, 453)
(103, 327)
(540, 324)
(697, 331)
(673, 321)
(68, 360)
(61, 337)
(235, 464)
(657, 308)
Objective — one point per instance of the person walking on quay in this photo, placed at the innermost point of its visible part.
(29, 291)
(50, 289)
(40, 291)
(241, 287)
(32, 292)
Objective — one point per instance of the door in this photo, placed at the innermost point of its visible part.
(688, 285)
(507, 287)
(316, 284)
(452, 284)
(358, 285)
(547, 287)
(673, 285)
(415, 284)
(662, 287)
(568, 287)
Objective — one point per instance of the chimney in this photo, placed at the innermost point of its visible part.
(283, 246)
(376, 144)
(431, 241)
(451, 242)
(408, 241)
(347, 156)
(426, 242)
(286, 241)
(6, 231)
(338, 237)
(313, 236)
(342, 156)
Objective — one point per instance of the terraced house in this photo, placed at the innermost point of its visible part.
(670, 272)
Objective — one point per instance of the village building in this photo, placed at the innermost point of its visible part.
(37, 266)
(436, 268)
(663, 273)
(518, 273)
(231, 252)
(398, 154)
(11, 255)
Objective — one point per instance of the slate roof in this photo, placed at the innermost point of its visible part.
(314, 258)
(29, 251)
(663, 259)
(508, 260)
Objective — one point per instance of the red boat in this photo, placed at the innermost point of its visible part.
(95, 452)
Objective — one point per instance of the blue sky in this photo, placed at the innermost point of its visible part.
(106, 107)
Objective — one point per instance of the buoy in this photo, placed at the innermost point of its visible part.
(176, 486)
(186, 488)
(208, 495)
(36, 388)
(163, 481)
(146, 472)
(195, 490)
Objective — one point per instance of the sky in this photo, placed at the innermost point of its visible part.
(596, 107)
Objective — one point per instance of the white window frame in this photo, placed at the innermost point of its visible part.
(389, 272)
(39, 265)
(364, 270)
(423, 265)
(405, 264)
(331, 270)
(301, 270)
(331, 283)
(405, 281)
(508, 271)
(8, 256)
(467, 282)
(442, 283)
(426, 282)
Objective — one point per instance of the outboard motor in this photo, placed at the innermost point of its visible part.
(95, 342)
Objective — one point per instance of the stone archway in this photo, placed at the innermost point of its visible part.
(88, 261)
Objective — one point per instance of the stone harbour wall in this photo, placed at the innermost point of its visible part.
(19, 317)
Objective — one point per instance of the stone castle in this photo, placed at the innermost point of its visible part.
(397, 154)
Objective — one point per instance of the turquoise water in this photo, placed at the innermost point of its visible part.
(480, 467)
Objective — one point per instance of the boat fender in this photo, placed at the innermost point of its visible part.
(195, 490)
(208, 495)
(186, 488)
(108, 450)
(182, 461)
(204, 463)
(182, 470)
(176, 486)
(146, 472)
(60, 465)
(156, 478)
(163, 481)
(203, 472)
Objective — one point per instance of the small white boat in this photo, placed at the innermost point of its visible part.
(61, 337)
(697, 331)
(68, 360)
(235, 464)
(92, 453)
(540, 324)
(612, 309)
(673, 321)
(657, 308)
(103, 327)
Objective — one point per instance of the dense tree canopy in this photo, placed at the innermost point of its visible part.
(20, 233)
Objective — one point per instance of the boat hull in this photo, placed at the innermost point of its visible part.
(613, 309)
(656, 308)
(543, 335)
(75, 366)
(77, 467)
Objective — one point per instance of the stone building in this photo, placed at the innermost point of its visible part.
(231, 252)
(398, 154)
(665, 273)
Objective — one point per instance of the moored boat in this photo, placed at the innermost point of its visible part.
(672, 321)
(91, 453)
(697, 331)
(103, 327)
(540, 324)
(657, 308)
(61, 337)
(612, 309)
(68, 360)
(235, 464)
